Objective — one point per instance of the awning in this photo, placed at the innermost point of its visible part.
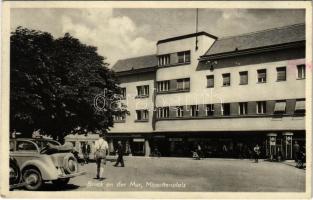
(300, 105)
(280, 106)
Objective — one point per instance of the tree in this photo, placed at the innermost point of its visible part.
(58, 85)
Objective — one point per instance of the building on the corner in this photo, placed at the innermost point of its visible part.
(224, 94)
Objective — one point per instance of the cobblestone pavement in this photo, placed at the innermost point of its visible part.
(186, 174)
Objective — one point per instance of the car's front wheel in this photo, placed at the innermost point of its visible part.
(61, 182)
(33, 179)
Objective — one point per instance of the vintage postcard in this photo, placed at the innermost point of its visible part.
(156, 99)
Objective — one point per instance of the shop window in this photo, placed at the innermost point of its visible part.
(261, 75)
(210, 81)
(243, 108)
(243, 78)
(301, 71)
(281, 73)
(261, 107)
(226, 79)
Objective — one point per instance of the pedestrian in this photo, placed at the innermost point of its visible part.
(86, 152)
(257, 152)
(296, 150)
(101, 151)
(120, 153)
(199, 151)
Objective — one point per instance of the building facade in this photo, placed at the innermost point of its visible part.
(223, 94)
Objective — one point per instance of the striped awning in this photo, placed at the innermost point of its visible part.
(300, 105)
(280, 106)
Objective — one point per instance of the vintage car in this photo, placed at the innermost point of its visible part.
(42, 160)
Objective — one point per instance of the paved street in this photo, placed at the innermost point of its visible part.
(183, 174)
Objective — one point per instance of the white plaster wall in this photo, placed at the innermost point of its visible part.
(132, 105)
(233, 124)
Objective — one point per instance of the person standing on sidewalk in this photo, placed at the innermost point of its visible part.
(86, 152)
(120, 154)
(257, 152)
(296, 150)
(101, 151)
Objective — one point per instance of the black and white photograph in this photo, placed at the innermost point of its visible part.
(186, 99)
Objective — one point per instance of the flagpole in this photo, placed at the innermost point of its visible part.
(197, 28)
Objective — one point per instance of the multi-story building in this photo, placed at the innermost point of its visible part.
(224, 94)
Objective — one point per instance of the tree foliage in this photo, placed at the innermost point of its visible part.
(55, 82)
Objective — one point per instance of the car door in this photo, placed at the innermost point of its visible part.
(25, 150)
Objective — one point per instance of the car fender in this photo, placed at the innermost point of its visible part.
(46, 167)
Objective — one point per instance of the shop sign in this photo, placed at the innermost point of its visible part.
(138, 139)
(175, 139)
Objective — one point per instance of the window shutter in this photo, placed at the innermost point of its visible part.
(187, 83)
(252, 107)
(173, 58)
(173, 84)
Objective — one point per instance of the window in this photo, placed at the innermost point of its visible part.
(123, 93)
(194, 110)
(243, 108)
(261, 75)
(281, 73)
(163, 112)
(142, 115)
(164, 60)
(179, 111)
(119, 118)
(183, 57)
(243, 78)
(163, 86)
(26, 146)
(183, 84)
(210, 81)
(300, 106)
(261, 107)
(226, 79)
(209, 109)
(301, 71)
(280, 107)
(225, 109)
(143, 91)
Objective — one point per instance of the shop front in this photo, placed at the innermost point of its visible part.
(274, 146)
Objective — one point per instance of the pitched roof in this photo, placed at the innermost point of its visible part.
(135, 63)
(269, 37)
